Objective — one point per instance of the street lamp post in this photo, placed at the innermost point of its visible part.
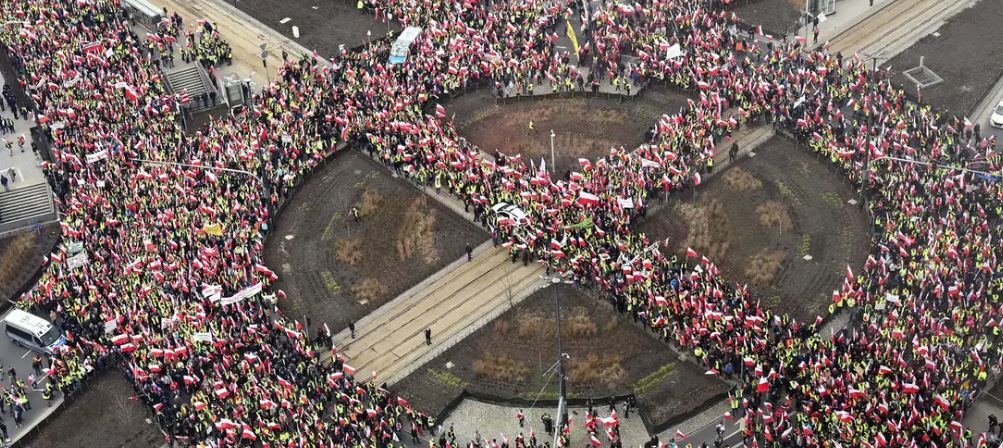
(874, 57)
(562, 404)
(264, 61)
(553, 163)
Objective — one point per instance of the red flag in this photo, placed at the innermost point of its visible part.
(763, 386)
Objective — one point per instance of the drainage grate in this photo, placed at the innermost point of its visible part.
(923, 76)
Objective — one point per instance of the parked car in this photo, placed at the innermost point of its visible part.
(506, 211)
(996, 119)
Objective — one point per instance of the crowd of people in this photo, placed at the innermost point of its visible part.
(173, 286)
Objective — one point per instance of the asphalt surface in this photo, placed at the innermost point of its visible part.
(20, 359)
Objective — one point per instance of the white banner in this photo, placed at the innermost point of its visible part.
(110, 326)
(202, 337)
(250, 291)
(77, 260)
(673, 52)
(97, 156)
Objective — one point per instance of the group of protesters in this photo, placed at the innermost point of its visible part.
(173, 289)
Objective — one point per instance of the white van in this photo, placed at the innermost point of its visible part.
(31, 331)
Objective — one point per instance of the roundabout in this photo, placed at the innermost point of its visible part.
(188, 310)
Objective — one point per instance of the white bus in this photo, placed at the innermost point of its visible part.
(401, 48)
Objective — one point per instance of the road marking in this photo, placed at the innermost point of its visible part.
(26, 354)
(285, 20)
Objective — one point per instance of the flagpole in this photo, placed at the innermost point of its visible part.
(203, 167)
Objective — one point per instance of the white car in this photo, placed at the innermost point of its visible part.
(996, 119)
(510, 211)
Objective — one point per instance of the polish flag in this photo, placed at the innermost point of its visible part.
(690, 253)
(585, 163)
(942, 402)
(680, 435)
(285, 384)
(910, 388)
(880, 440)
(594, 441)
(199, 405)
(696, 179)
(588, 199)
(440, 112)
(763, 386)
(120, 339)
(131, 93)
(222, 392)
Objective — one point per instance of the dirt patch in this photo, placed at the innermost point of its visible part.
(511, 358)
(334, 269)
(416, 237)
(775, 16)
(22, 256)
(774, 215)
(583, 127)
(967, 55)
(758, 220)
(106, 415)
(323, 25)
(742, 180)
(349, 250)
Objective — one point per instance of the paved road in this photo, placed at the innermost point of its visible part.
(20, 359)
(464, 296)
(24, 163)
(984, 110)
(243, 32)
(895, 27)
